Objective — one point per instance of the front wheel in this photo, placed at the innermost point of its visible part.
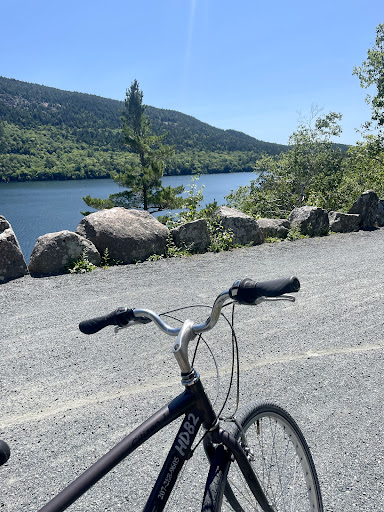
(280, 458)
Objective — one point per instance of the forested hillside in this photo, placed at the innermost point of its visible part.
(46, 133)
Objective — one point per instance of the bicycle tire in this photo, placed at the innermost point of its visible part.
(280, 458)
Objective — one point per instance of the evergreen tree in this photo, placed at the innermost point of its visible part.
(145, 169)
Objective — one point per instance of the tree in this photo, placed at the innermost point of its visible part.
(146, 166)
(361, 171)
(308, 174)
(363, 168)
(371, 73)
(3, 139)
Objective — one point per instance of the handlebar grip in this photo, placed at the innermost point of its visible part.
(5, 452)
(247, 290)
(120, 317)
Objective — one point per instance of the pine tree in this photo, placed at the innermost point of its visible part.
(146, 166)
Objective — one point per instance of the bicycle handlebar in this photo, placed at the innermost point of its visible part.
(121, 317)
(243, 291)
(247, 291)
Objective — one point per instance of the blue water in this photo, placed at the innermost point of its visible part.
(37, 208)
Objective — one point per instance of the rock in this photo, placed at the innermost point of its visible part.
(53, 253)
(193, 235)
(274, 228)
(129, 235)
(310, 220)
(343, 222)
(12, 263)
(380, 213)
(367, 207)
(245, 229)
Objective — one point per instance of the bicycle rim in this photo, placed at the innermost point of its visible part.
(281, 460)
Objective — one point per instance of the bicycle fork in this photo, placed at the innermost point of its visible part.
(227, 446)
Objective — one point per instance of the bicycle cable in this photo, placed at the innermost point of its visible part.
(168, 315)
(235, 357)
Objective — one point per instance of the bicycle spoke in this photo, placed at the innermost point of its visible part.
(281, 463)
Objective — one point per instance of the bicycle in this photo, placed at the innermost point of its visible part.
(261, 462)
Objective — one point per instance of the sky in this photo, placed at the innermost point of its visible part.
(248, 65)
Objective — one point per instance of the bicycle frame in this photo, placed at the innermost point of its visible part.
(194, 403)
(196, 407)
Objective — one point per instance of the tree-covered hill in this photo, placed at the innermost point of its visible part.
(46, 133)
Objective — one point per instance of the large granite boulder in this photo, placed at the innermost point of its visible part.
(245, 229)
(310, 220)
(343, 222)
(129, 235)
(367, 207)
(12, 263)
(54, 252)
(192, 235)
(380, 213)
(274, 228)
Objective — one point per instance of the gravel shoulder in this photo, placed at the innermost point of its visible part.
(66, 398)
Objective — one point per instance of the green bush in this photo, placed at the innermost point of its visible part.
(81, 265)
(221, 239)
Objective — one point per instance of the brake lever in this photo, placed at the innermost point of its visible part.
(289, 298)
(137, 320)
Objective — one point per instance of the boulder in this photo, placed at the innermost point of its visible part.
(245, 229)
(343, 222)
(12, 263)
(193, 235)
(380, 213)
(367, 207)
(53, 253)
(129, 235)
(310, 220)
(274, 228)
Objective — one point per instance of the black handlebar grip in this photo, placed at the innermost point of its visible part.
(119, 317)
(247, 290)
(5, 452)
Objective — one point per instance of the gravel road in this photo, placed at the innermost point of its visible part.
(66, 398)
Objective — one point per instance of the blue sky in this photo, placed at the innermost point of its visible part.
(246, 65)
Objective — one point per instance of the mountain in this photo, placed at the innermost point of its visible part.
(47, 133)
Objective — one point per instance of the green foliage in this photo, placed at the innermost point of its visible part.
(173, 251)
(365, 163)
(271, 240)
(295, 234)
(371, 73)
(221, 239)
(363, 168)
(307, 174)
(191, 206)
(81, 265)
(192, 202)
(98, 204)
(50, 134)
(362, 171)
(143, 175)
(106, 259)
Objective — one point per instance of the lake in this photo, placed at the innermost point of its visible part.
(39, 207)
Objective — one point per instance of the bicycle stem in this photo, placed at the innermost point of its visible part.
(186, 333)
(189, 330)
